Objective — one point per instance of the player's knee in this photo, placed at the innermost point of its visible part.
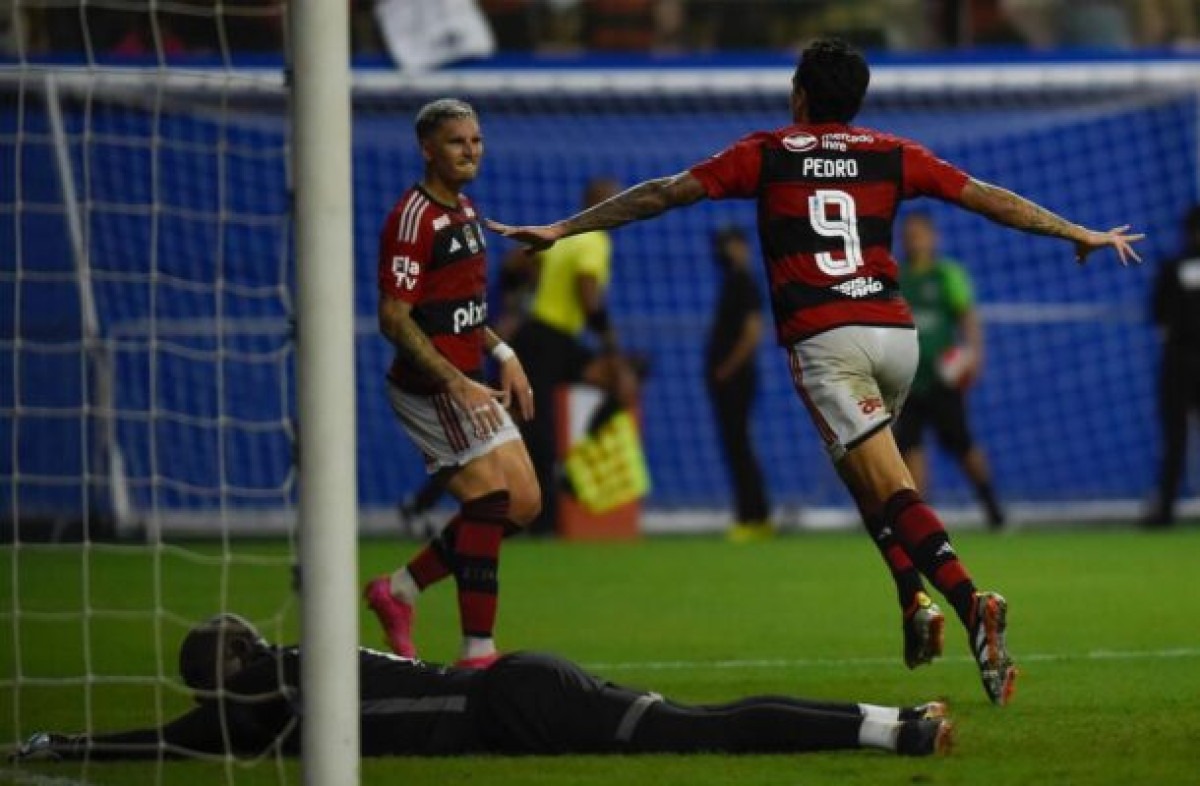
(524, 504)
(494, 506)
(899, 502)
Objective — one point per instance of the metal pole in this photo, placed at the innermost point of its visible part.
(95, 348)
(325, 381)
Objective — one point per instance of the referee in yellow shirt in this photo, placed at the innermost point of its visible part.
(569, 301)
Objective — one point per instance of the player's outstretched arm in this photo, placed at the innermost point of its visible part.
(1005, 207)
(202, 730)
(645, 200)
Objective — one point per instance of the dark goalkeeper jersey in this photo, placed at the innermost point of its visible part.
(827, 197)
(406, 706)
(524, 703)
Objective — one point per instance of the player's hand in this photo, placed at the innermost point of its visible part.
(479, 402)
(42, 746)
(1117, 237)
(515, 388)
(533, 238)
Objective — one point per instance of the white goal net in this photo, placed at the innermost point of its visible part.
(148, 401)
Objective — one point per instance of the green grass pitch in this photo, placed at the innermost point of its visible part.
(1103, 623)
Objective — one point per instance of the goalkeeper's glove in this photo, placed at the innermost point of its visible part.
(45, 746)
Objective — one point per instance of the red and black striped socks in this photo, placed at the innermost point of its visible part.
(433, 563)
(920, 531)
(481, 528)
(904, 573)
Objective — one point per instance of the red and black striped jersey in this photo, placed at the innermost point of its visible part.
(827, 197)
(433, 256)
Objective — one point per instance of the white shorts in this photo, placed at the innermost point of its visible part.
(853, 380)
(444, 434)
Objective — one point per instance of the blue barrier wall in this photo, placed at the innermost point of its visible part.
(1066, 405)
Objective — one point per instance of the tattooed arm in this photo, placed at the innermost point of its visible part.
(1005, 207)
(645, 200)
(398, 326)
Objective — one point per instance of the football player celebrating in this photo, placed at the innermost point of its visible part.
(432, 285)
(827, 194)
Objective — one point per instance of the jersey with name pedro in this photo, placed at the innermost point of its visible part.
(827, 197)
(433, 256)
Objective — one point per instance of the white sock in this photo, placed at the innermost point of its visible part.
(404, 586)
(878, 734)
(476, 647)
(876, 712)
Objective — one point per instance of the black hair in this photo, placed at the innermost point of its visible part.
(433, 114)
(209, 647)
(834, 77)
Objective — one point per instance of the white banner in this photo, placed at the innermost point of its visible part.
(424, 34)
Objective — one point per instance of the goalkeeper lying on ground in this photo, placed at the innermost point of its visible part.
(525, 703)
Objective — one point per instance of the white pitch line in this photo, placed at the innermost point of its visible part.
(805, 663)
(26, 778)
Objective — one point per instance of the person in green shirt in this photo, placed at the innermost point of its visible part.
(950, 337)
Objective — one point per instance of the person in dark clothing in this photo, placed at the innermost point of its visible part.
(731, 369)
(1176, 310)
(249, 694)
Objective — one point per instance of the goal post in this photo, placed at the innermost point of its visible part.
(321, 138)
(96, 353)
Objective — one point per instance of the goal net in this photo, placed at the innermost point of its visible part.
(147, 342)
(147, 411)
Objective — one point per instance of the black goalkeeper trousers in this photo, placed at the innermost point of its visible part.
(759, 724)
(532, 703)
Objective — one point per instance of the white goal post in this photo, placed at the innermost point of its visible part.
(321, 138)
